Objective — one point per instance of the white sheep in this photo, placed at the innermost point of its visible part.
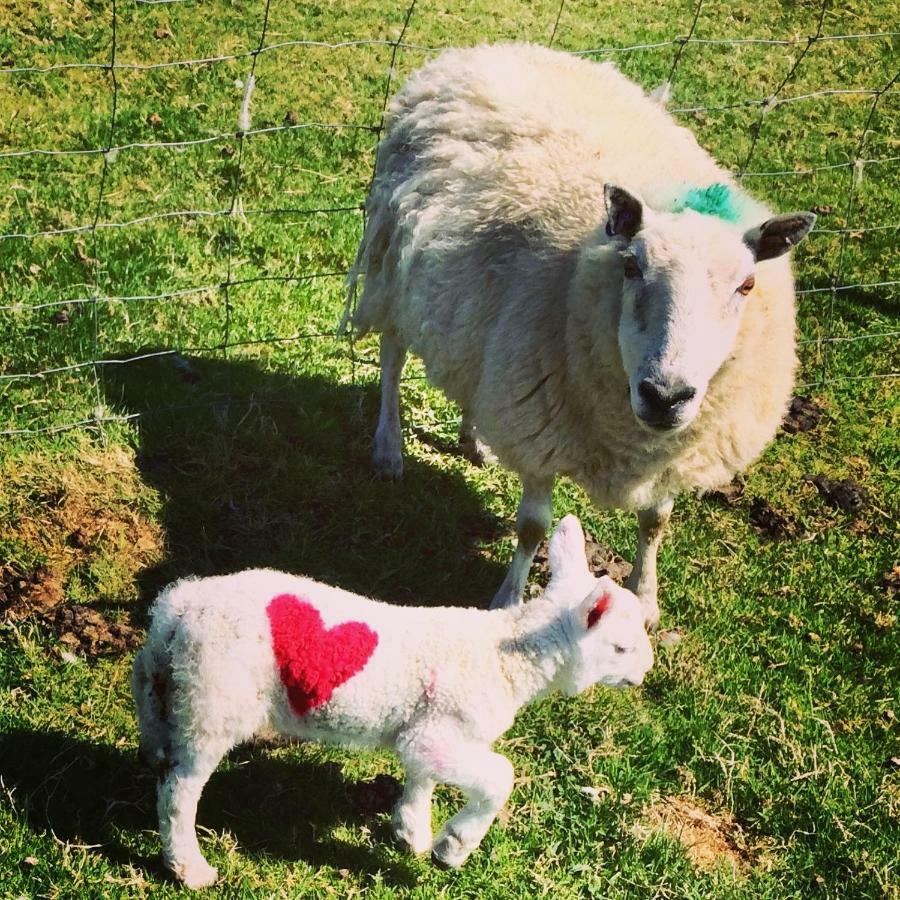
(234, 656)
(625, 338)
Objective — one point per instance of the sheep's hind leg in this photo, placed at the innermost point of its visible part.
(486, 778)
(178, 793)
(387, 447)
(651, 526)
(532, 521)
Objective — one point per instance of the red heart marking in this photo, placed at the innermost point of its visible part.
(312, 660)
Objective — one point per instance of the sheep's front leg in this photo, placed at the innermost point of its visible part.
(412, 814)
(651, 526)
(486, 779)
(387, 447)
(532, 521)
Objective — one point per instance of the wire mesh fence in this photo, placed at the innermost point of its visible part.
(163, 204)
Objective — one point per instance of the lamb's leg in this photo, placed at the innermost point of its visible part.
(412, 814)
(532, 521)
(176, 802)
(651, 526)
(486, 778)
(387, 447)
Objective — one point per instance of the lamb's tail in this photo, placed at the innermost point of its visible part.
(151, 684)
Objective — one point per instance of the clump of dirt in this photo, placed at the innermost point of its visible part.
(727, 494)
(708, 840)
(804, 414)
(843, 493)
(891, 582)
(368, 798)
(601, 561)
(770, 522)
(84, 514)
(85, 629)
(24, 595)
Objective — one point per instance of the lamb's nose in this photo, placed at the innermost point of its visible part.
(663, 398)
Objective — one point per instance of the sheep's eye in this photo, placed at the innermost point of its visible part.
(619, 648)
(632, 269)
(747, 285)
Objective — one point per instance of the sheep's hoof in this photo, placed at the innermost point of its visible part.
(196, 875)
(651, 614)
(388, 466)
(449, 852)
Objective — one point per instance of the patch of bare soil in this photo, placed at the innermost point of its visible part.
(368, 798)
(84, 629)
(804, 414)
(601, 560)
(708, 840)
(727, 494)
(72, 516)
(891, 582)
(23, 595)
(843, 493)
(770, 522)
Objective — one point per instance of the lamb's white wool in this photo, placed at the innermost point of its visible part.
(521, 239)
(261, 651)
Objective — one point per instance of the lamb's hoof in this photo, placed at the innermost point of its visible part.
(388, 466)
(417, 840)
(449, 852)
(414, 842)
(196, 875)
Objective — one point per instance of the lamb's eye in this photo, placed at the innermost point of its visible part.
(747, 285)
(632, 269)
(619, 648)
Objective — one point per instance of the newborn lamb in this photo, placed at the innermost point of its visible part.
(232, 656)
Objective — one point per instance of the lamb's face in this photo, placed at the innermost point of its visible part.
(686, 280)
(611, 642)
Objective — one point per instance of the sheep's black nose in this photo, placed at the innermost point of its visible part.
(661, 399)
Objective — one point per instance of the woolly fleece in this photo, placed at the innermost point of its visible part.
(234, 656)
(312, 660)
(484, 251)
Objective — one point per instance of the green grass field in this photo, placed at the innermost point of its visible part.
(760, 758)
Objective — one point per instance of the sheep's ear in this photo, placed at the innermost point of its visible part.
(624, 212)
(596, 604)
(567, 557)
(777, 235)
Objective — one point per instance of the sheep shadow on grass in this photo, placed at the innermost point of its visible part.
(91, 795)
(257, 469)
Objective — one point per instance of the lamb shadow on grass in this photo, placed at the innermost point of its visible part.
(258, 468)
(93, 795)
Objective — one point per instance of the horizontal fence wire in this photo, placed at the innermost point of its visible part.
(95, 298)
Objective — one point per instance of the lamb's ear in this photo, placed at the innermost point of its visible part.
(777, 235)
(596, 604)
(624, 211)
(567, 557)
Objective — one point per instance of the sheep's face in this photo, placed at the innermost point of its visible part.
(611, 642)
(686, 280)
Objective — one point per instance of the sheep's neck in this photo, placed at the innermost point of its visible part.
(537, 652)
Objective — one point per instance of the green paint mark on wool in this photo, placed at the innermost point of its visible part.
(716, 200)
